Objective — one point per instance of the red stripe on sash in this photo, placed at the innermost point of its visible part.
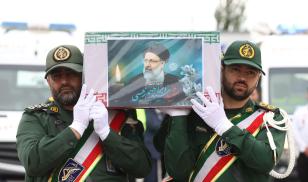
(219, 165)
(256, 124)
(116, 125)
(118, 121)
(90, 159)
(224, 160)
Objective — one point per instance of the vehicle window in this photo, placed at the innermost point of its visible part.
(287, 87)
(31, 79)
(22, 86)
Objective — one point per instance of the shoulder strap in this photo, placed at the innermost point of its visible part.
(267, 107)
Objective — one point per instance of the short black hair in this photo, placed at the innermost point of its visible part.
(158, 49)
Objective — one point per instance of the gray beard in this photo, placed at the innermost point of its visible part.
(153, 76)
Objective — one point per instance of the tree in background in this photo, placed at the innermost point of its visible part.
(230, 15)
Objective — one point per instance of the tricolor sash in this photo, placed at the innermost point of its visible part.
(215, 158)
(87, 154)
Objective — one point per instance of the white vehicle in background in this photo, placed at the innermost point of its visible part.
(285, 62)
(23, 50)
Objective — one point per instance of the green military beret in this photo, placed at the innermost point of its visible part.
(68, 56)
(243, 52)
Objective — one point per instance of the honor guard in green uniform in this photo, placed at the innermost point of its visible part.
(73, 137)
(225, 141)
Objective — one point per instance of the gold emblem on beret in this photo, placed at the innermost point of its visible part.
(61, 54)
(247, 51)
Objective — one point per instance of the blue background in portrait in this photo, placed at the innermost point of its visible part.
(128, 54)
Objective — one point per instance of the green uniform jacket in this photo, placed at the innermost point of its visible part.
(44, 142)
(182, 139)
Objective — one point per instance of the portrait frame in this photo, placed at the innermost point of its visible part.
(116, 68)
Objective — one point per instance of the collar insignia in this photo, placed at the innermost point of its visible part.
(236, 117)
(54, 109)
(51, 99)
(249, 109)
(247, 51)
(61, 54)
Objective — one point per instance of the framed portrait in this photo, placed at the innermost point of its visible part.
(151, 69)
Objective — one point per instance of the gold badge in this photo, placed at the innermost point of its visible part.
(247, 51)
(54, 109)
(236, 117)
(270, 107)
(51, 99)
(249, 109)
(62, 54)
(263, 104)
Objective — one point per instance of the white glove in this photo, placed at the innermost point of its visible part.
(175, 112)
(81, 111)
(99, 114)
(212, 112)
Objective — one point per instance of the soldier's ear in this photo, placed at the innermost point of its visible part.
(48, 79)
(258, 80)
(222, 67)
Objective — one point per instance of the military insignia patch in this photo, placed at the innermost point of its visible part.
(222, 148)
(70, 171)
(62, 54)
(247, 51)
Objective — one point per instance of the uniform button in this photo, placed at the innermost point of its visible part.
(71, 143)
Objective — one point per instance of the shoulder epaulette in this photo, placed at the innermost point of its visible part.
(48, 106)
(267, 107)
(38, 107)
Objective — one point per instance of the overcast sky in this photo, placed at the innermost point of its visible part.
(149, 15)
(115, 15)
